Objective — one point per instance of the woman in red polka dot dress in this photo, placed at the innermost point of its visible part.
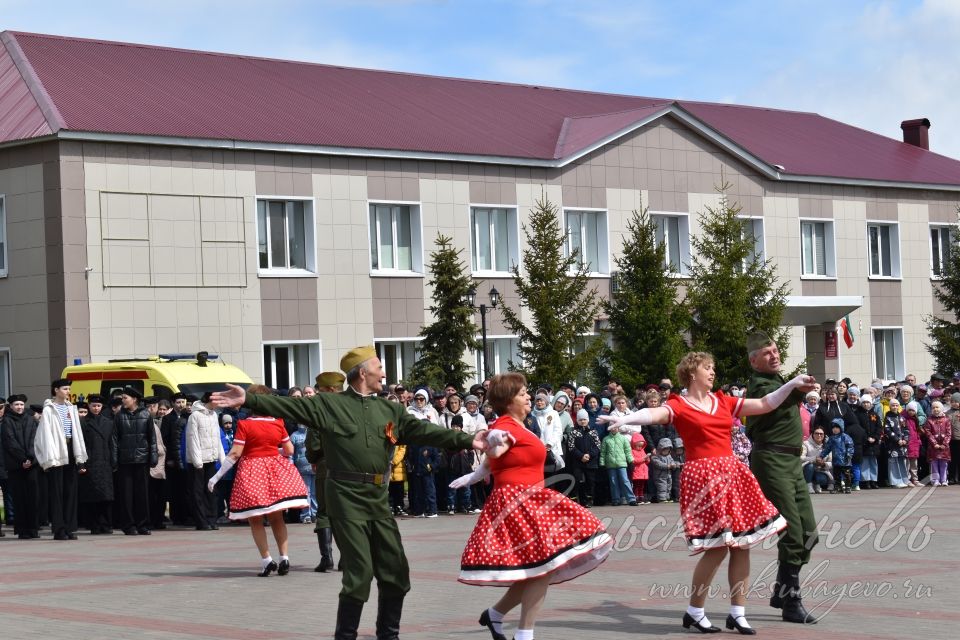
(721, 504)
(527, 537)
(266, 483)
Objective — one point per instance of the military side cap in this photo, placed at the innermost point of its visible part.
(357, 355)
(758, 340)
(330, 379)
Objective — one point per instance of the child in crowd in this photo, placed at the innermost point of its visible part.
(897, 437)
(840, 445)
(398, 478)
(459, 463)
(583, 457)
(939, 431)
(662, 464)
(872, 425)
(614, 456)
(739, 442)
(679, 458)
(912, 421)
(641, 463)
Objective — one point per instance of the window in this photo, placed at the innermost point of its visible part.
(888, 353)
(6, 387)
(587, 233)
(753, 228)
(290, 364)
(883, 246)
(397, 358)
(286, 237)
(816, 248)
(3, 238)
(494, 238)
(673, 231)
(395, 243)
(940, 243)
(501, 352)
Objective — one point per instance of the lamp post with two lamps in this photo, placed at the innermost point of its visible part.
(494, 301)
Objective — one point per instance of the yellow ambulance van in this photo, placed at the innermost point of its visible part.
(161, 375)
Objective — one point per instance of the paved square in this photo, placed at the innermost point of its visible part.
(893, 577)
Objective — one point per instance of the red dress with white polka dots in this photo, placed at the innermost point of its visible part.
(266, 481)
(721, 503)
(527, 530)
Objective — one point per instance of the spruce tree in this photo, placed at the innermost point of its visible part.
(554, 290)
(732, 291)
(944, 333)
(452, 332)
(647, 321)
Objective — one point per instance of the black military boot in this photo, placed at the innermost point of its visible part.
(793, 609)
(776, 599)
(389, 608)
(325, 539)
(348, 619)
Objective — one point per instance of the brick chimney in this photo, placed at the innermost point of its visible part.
(916, 132)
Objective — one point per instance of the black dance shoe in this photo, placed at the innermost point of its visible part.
(485, 621)
(733, 624)
(267, 570)
(283, 568)
(688, 622)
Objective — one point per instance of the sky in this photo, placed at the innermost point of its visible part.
(869, 64)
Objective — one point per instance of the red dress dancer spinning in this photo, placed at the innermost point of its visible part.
(528, 537)
(721, 504)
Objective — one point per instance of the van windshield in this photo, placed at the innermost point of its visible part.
(199, 388)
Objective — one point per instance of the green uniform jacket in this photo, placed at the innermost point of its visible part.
(353, 430)
(780, 426)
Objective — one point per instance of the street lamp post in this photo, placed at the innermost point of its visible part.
(494, 300)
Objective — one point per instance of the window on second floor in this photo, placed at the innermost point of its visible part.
(753, 228)
(286, 237)
(3, 237)
(673, 232)
(587, 233)
(494, 245)
(395, 243)
(940, 244)
(816, 248)
(883, 246)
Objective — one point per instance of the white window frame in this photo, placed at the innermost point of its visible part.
(416, 240)
(310, 241)
(402, 368)
(829, 250)
(760, 239)
(6, 372)
(314, 361)
(894, 251)
(683, 228)
(602, 268)
(4, 242)
(496, 366)
(899, 353)
(951, 230)
(513, 234)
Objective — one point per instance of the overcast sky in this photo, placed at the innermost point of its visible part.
(870, 64)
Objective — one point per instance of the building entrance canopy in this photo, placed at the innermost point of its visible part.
(818, 310)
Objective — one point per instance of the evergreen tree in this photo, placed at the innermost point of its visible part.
(647, 320)
(452, 332)
(555, 293)
(944, 332)
(732, 291)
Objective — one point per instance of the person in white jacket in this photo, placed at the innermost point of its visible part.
(62, 455)
(551, 432)
(204, 453)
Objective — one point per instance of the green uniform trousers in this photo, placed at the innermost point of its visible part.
(319, 484)
(781, 478)
(371, 549)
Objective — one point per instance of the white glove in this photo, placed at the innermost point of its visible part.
(225, 466)
(499, 437)
(775, 398)
(482, 473)
(629, 423)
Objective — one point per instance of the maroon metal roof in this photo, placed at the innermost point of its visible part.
(20, 115)
(119, 88)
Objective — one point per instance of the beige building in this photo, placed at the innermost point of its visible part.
(194, 212)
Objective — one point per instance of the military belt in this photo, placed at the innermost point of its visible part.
(356, 476)
(777, 448)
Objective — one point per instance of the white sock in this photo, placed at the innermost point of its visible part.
(699, 616)
(282, 558)
(265, 561)
(523, 634)
(496, 619)
(737, 612)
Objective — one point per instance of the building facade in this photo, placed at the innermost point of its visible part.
(280, 255)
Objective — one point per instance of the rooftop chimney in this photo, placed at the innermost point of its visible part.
(916, 132)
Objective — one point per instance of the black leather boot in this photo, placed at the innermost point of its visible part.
(325, 540)
(793, 609)
(776, 599)
(389, 608)
(348, 619)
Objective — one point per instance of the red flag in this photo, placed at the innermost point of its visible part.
(847, 331)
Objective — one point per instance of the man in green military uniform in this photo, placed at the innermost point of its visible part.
(777, 438)
(358, 431)
(327, 382)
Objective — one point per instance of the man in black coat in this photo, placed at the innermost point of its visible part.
(19, 431)
(136, 453)
(96, 486)
(171, 430)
